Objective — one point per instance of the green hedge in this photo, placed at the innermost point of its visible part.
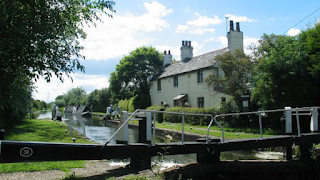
(192, 120)
(159, 116)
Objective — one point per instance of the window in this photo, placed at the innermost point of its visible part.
(175, 103)
(159, 84)
(175, 81)
(200, 102)
(200, 76)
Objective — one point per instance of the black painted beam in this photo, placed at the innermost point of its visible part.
(19, 151)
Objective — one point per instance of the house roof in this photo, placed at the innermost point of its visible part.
(195, 63)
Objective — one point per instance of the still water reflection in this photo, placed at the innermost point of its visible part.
(100, 133)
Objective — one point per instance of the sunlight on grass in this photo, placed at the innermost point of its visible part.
(40, 166)
(43, 131)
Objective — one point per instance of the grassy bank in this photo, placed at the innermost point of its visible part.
(229, 133)
(45, 131)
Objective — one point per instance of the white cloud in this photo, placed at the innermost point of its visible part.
(123, 33)
(174, 51)
(156, 9)
(240, 18)
(293, 32)
(181, 28)
(197, 26)
(200, 31)
(49, 91)
(221, 39)
(203, 21)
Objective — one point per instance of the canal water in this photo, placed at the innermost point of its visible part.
(94, 129)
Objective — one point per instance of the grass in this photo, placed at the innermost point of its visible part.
(229, 133)
(100, 113)
(40, 166)
(44, 131)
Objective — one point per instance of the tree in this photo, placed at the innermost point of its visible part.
(237, 68)
(59, 101)
(40, 38)
(75, 97)
(17, 104)
(98, 100)
(311, 41)
(132, 75)
(286, 73)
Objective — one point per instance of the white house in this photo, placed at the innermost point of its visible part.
(182, 82)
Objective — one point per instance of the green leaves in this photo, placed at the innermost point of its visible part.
(41, 39)
(286, 74)
(132, 74)
(237, 71)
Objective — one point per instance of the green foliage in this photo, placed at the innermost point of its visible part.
(74, 97)
(98, 100)
(132, 74)
(127, 105)
(311, 41)
(159, 116)
(39, 38)
(283, 74)
(15, 101)
(192, 120)
(39, 105)
(237, 69)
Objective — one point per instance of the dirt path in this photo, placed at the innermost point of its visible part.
(98, 170)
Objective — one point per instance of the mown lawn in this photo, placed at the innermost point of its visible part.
(229, 133)
(44, 131)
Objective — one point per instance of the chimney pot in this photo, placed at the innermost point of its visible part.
(238, 26)
(182, 43)
(169, 52)
(189, 43)
(165, 52)
(231, 26)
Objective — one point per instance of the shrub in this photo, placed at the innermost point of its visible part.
(127, 105)
(192, 120)
(159, 116)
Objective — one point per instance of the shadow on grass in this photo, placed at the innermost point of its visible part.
(122, 171)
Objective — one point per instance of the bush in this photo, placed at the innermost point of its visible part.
(192, 120)
(127, 105)
(159, 116)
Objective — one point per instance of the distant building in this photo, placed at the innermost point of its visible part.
(182, 83)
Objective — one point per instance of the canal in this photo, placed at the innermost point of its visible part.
(94, 129)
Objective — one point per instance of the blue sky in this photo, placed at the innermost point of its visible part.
(164, 24)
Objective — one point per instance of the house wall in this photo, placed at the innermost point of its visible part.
(187, 85)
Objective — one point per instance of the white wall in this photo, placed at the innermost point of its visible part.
(187, 85)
